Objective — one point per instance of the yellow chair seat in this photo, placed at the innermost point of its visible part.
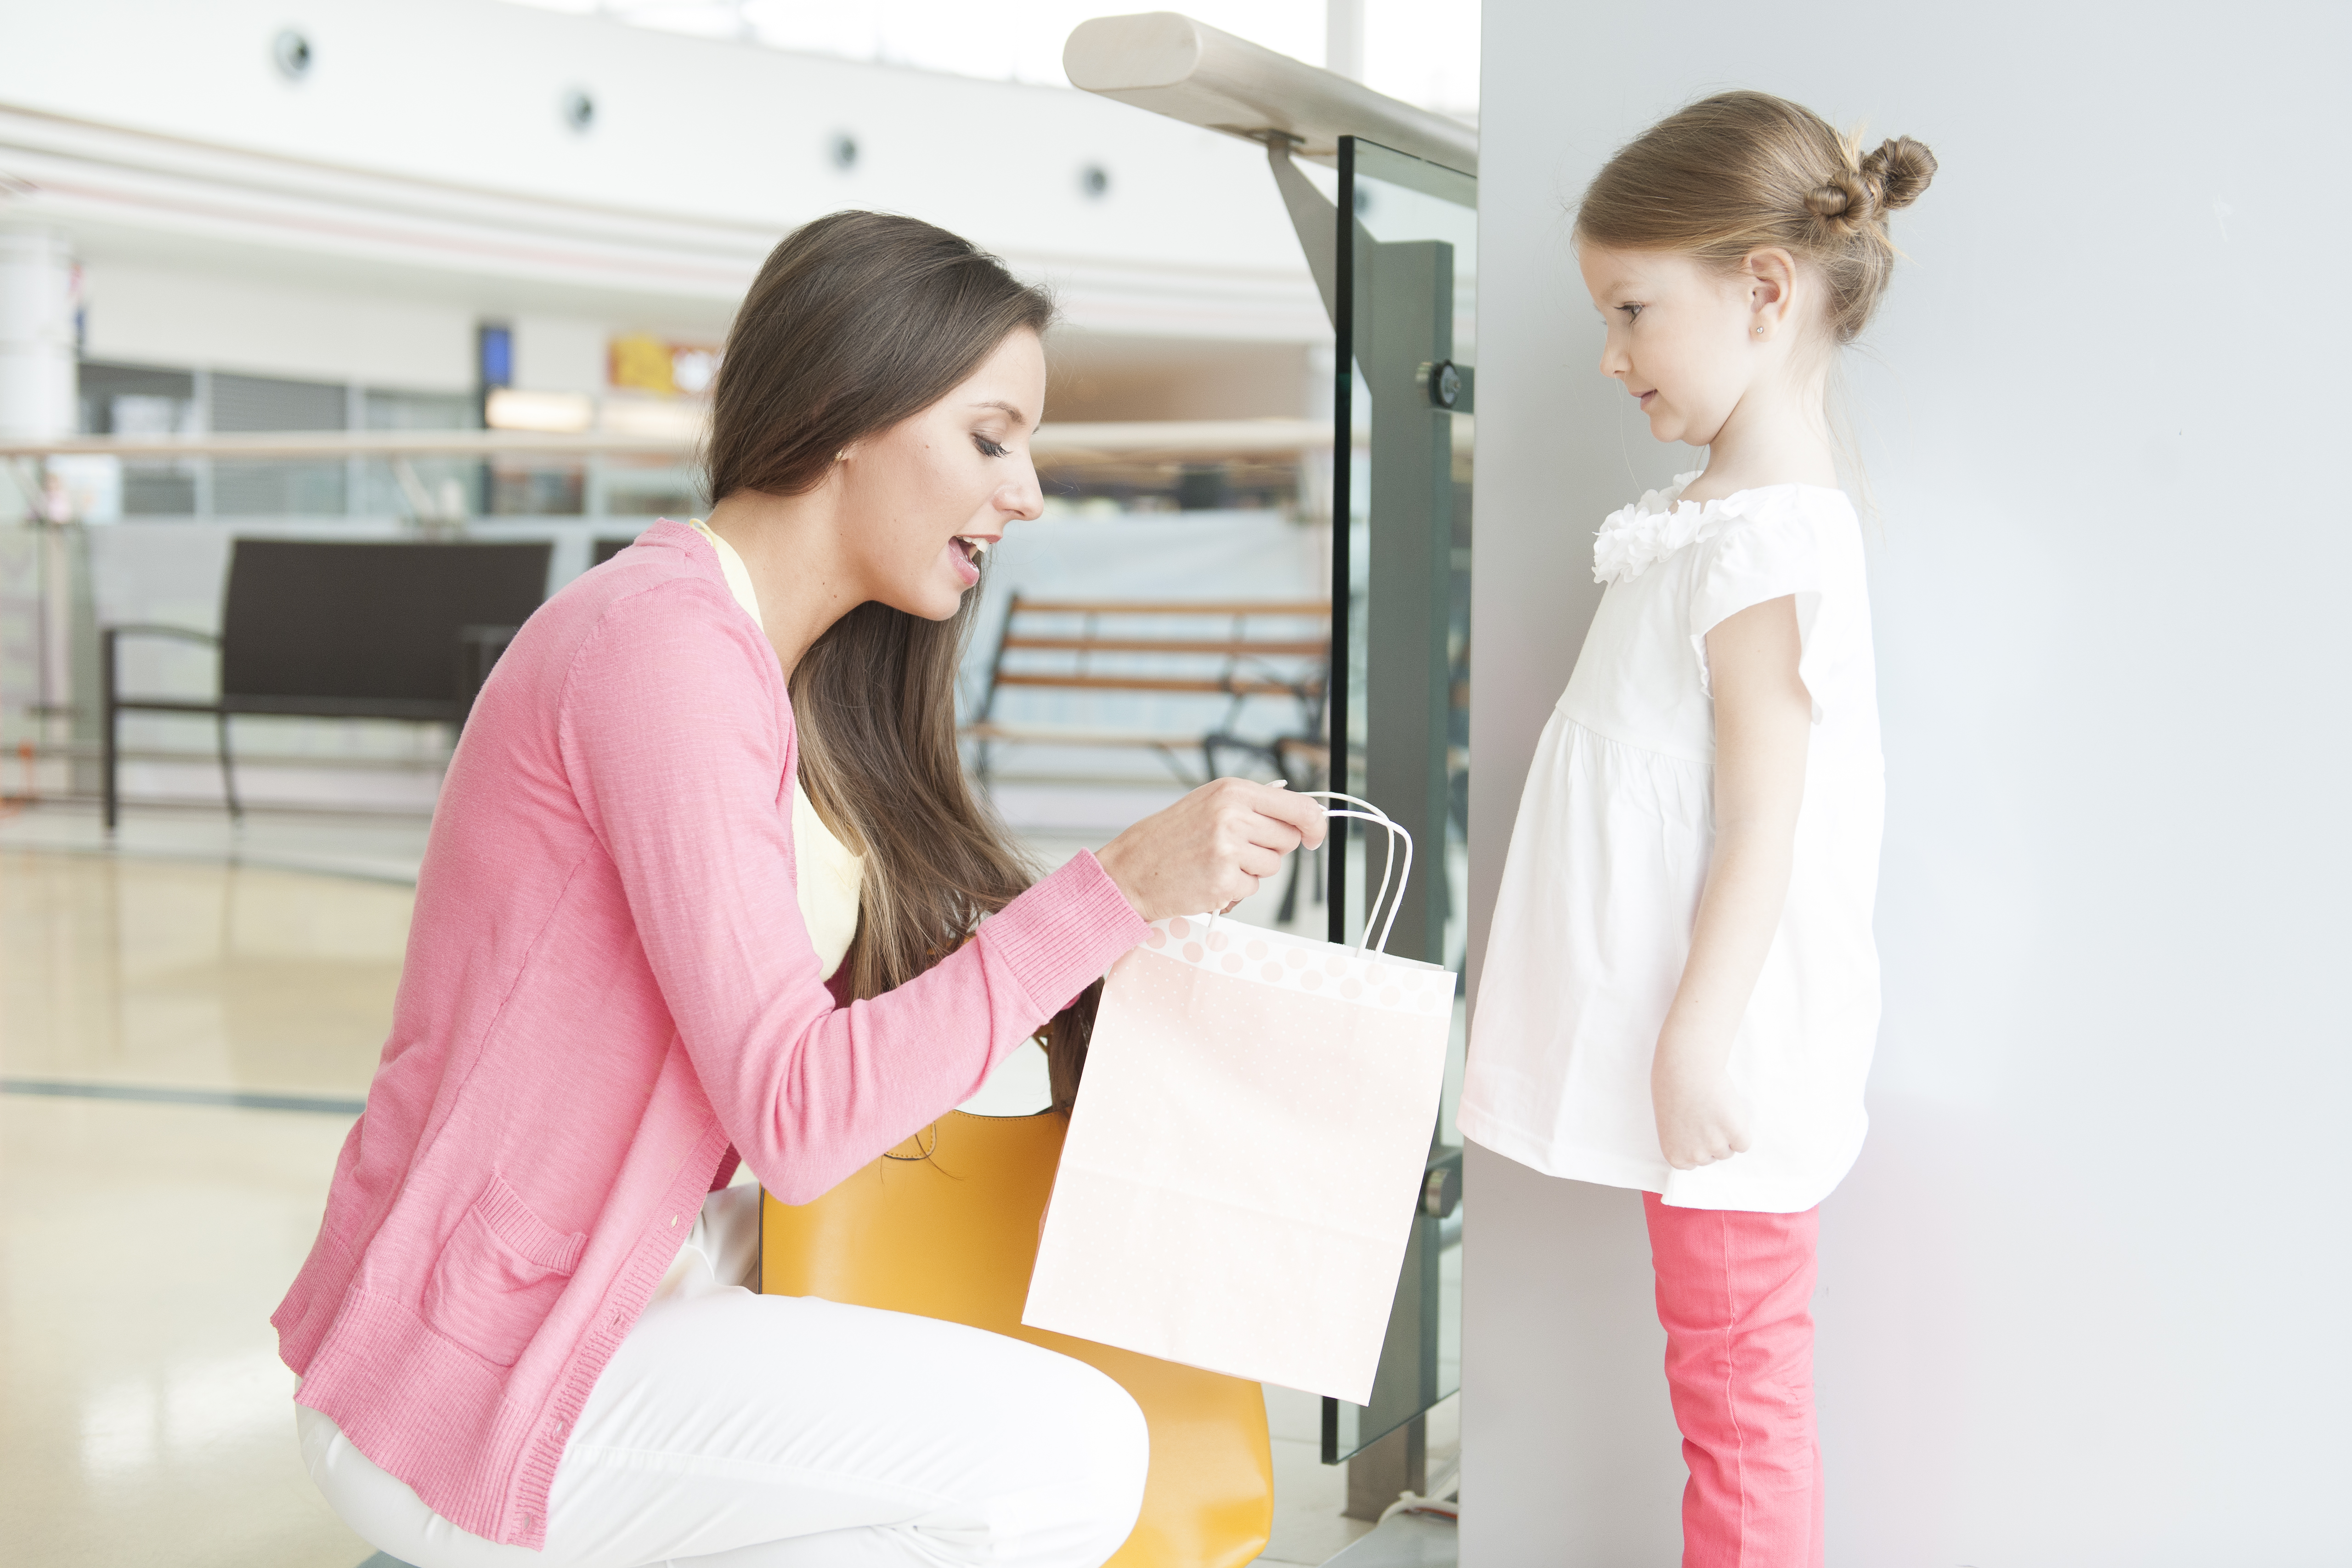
(954, 1236)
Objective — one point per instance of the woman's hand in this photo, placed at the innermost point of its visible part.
(1212, 848)
(1702, 1118)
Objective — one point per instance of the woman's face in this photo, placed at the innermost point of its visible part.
(925, 498)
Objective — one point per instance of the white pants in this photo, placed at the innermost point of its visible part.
(734, 1430)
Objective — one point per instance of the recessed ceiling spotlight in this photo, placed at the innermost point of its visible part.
(291, 52)
(842, 150)
(580, 110)
(1094, 182)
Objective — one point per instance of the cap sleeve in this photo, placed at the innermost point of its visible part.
(1756, 560)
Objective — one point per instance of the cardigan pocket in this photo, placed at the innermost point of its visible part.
(500, 1275)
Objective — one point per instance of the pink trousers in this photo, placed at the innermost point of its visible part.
(1734, 1291)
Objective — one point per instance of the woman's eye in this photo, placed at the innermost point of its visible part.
(991, 447)
(1633, 313)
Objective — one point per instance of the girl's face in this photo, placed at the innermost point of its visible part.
(927, 497)
(1681, 336)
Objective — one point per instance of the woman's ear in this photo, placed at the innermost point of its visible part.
(1771, 276)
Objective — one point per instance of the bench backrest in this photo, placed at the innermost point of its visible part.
(360, 622)
(1232, 648)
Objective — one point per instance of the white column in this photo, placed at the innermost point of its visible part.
(36, 332)
(37, 286)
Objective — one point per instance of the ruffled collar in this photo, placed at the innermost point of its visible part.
(1634, 538)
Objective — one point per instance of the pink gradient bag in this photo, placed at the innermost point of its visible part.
(1246, 1151)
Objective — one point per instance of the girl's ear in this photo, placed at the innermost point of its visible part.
(1771, 277)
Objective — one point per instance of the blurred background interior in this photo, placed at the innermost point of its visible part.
(459, 272)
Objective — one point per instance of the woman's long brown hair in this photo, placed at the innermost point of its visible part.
(857, 322)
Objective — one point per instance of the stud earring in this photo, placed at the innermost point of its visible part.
(1760, 331)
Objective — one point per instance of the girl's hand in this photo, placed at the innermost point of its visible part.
(1210, 849)
(1702, 1118)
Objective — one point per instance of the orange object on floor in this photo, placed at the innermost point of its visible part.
(953, 1235)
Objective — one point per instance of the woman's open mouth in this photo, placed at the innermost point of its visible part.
(968, 551)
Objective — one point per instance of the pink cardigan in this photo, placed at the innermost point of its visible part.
(608, 992)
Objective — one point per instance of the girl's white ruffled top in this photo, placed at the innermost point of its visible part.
(1592, 924)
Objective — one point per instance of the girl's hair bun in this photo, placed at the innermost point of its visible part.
(1844, 197)
(1892, 176)
(1723, 177)
(1901, 169)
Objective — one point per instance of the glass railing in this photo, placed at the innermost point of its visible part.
(1401, 579)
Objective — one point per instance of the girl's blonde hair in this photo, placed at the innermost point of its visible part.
(1743, 171)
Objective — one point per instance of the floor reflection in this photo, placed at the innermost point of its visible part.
(195, 975)
(143, 1414)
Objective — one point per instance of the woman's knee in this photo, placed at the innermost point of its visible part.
(1121, 1439)
(1101, 1451)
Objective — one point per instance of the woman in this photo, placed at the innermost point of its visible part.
(700, 886)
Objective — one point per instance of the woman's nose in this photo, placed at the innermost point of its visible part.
(1024, 497)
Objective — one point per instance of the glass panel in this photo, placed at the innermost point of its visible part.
(278, 488)
(141, 400)
(418, 488)
(1408, 258)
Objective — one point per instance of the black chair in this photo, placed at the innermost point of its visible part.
(333, 630)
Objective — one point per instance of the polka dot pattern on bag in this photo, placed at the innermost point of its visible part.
(1297, 963)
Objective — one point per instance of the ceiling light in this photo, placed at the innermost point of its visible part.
(291, 51)
(546, 412)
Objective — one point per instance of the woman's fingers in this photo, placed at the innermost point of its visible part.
(1258, 863)
(1272, 837)
(1302, 815)
(1211, 847)
(1267, 816)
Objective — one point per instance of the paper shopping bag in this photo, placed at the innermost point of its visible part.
(1245, 1155)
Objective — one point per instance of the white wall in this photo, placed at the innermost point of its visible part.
(147, 314)
(2082, 1301)
(560, 353)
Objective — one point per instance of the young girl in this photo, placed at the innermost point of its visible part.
(1682, 991)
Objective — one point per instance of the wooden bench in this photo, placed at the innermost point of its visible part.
(1158, 647)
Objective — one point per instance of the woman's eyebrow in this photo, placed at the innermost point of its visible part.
(1011, 408)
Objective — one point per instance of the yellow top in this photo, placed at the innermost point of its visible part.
(827, 874)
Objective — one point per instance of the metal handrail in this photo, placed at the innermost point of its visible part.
(1054, 442)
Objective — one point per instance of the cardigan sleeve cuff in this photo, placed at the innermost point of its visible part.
(1062, 934)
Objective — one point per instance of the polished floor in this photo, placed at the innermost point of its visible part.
(144, 1418)
(186, 1025)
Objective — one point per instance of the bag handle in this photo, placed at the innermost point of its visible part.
(1373, 814)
